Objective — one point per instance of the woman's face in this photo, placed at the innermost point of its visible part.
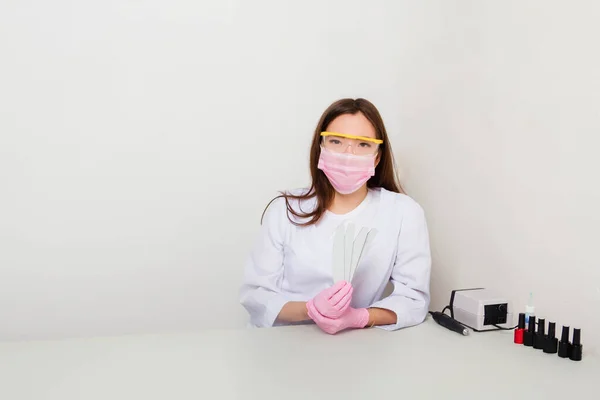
(356, 125)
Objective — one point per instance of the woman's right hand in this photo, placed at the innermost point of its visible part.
(334, 301)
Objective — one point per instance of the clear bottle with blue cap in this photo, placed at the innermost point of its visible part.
(529, 309)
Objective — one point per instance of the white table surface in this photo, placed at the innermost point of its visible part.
(300, 362)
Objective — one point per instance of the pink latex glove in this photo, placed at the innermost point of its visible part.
(352, 318)
(335, 300)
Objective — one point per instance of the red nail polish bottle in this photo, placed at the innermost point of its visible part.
(519, 332)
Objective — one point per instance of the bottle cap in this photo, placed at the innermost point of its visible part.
(530, 309)
(521, 321)
(531, 327)
(576, 337)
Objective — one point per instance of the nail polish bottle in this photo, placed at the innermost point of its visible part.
(529, 309)
(540, 335)
(551, 342)
(520, 329)
(576, 347)
(528, 335)
(564, 346)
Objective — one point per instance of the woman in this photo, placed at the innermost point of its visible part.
(289, 276)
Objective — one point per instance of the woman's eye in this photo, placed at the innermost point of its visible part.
(334, 141)
(365, 144)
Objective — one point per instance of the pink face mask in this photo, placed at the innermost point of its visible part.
(346, 172)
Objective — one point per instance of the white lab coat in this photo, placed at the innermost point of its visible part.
(292, 263)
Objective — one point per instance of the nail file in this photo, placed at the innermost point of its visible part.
(348, 247)
(357, 249)
(338, 254)
(370, 237)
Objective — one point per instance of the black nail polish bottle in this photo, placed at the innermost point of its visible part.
(576, 347)
(564, 346)
(551, 342)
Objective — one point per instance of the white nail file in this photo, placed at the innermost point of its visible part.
(369, 239)
(338, 254)
(359, 244)
(348, 247)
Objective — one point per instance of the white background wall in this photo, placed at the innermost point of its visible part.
(140, 141)
(502, 152)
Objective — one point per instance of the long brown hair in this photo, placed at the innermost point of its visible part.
(385, 173)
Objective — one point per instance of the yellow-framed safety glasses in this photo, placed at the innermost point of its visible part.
(360, 145)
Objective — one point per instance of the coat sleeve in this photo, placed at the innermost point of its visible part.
(260, 293)
(411, 271)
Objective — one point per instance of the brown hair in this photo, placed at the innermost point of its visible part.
(385, 174)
